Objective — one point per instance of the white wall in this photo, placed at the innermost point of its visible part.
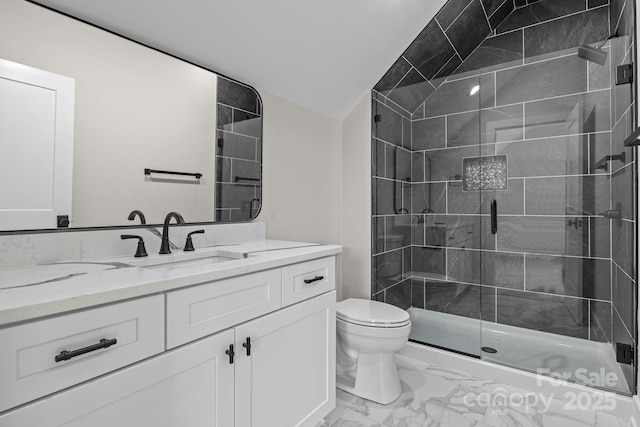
(317, 184)
(356, 202)
(135, 108)
(302, 173)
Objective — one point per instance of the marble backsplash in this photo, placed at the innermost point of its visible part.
(18, 250)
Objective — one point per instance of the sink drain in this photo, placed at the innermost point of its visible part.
(489, 350)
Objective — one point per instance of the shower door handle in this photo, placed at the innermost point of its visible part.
(494, 216)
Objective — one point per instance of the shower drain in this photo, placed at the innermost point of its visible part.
(489, 350)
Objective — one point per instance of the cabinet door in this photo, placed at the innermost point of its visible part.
(289, 378)
(191, 386)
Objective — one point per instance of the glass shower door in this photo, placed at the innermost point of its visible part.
(561, 274)
(446, 225)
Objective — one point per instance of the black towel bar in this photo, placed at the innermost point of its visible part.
(150, 171)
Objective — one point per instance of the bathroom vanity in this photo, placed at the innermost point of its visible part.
(238, 335)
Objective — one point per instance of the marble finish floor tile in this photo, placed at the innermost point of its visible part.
(433, 396)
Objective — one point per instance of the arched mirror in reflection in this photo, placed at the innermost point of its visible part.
(144, 130)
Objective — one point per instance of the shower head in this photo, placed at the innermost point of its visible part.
(595, 54)
(592, 54)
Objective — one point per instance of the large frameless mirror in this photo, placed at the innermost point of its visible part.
(95, 126)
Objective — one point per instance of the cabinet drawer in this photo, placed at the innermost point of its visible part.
(28, 367)
(307, 279)
(202, 310)
(191, 386)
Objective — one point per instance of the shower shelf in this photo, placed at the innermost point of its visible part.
(633, 139)
(603, 162)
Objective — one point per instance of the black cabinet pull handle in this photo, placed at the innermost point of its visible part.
(66, 355)
(247, 345)
(315, 279)
(230, 353)
(494, 216)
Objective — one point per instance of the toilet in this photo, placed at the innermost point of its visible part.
(369, 333)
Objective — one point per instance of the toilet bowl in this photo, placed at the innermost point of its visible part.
(369, 333)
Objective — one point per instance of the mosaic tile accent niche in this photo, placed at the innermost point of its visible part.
(484, 173)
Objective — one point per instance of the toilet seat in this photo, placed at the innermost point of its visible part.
(372, 314)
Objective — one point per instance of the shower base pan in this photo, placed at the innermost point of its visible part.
(572, 359)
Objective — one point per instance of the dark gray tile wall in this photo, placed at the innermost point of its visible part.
(238, 152)
(557, 264)
(538, 12)
(541, 42)
(447, 40)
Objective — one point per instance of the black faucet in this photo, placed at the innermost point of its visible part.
(164, 246)
(138, 213)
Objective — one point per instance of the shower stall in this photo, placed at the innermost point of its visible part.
(503, 195)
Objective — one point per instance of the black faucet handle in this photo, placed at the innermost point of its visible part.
(140, 250)
(188, 246)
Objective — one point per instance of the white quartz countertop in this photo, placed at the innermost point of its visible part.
(42, 290)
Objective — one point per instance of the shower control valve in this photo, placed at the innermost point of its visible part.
(575, 223)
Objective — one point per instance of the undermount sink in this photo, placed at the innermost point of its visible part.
(182, 260)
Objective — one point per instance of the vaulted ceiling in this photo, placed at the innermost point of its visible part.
(322, 55)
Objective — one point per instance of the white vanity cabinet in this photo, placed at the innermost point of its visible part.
(190, 386)
(289, 377)
(284, 361)
(282, 373)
